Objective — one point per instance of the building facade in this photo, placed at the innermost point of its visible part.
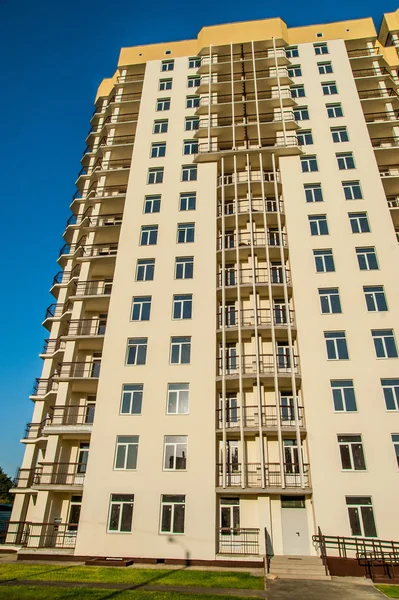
(222, 369)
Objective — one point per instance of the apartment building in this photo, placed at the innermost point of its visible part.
(221, 374)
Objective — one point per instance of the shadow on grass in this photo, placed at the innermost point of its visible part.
(3, 581)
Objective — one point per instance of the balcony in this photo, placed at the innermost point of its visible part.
(102, 165)
(243, 206)
(211, 150)
(364, 53)
(238, 541)
(64, 277)
(223, 61)
(269, 76)
(42, 387)
(240, 179)
(105, 250)
(219, 125)
(378, 94)
(373, 72)
(93, 287)
(41, 535)
(389, 170)
(121, 118)
(122, 98)
(102, 192)
(249, 475)
(52, 346)
(70, 418)
(393, 201)
(249, 365)
(26, 478)
(56, 311)
(250, 417)
(130, 78)
(87, 221)
(385, 143)
(244, 240)
(60, 474)
(223, 102)
(245, 277)
(233, 319)
(34, 431)
(78, 370)
(94, 327)
(378, 117)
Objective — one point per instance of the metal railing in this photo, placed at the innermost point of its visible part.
(78, 370)
(248, 364)
(95, 250)
(246, 317)
(93, 287)
(387, 115)
(361, 52)
(246, 76)
(385, 142)
(238, 57)
(355, 547)
(244, 239)
(393, 201)
(106, 191)
(71, 414)
(370, 72)
(124, 98)
(377, 93)
(250, 416)
(229, 145)
(130, 78)
(244, 205)
(63, 277)
(254, 177)
(57, 310)
(250, 475)
(216, 121)
(51, 346)
(60, 473)
(95, 326)
(106, 165)
(25, 478)
(44, 386)
(41, 535)
(234, 277)
(34, 430)
(249, 97)
(117, 140)
(237, 540)
(121, 118)
(389, 170)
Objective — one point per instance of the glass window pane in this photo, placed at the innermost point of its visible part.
(368, 521)
(126, 520)
(166, 517)
(114, 517)
(131, 462)
(120, 457)
(354, 521)
(178, 518)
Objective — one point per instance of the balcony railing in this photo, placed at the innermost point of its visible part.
(57, 310)
(41, 535)
(362, 52)
(387, 115)
(124, 98)
(34, 430)
(248, 364)
(238, 120)
(93, 287)
(246, 317)
(377, 93)
(25, 478)
(51, 346)
(95, 250)
(393, 201)
(233, 277)
(78, 370)
(389, 170)
(255, 205)
(385, 142)
(238, 57)
(44, 386)
(61, 473)
(89, 327)
(239, 541)
(231, 146)
(106, 165)
(95, 221)
(122, 118)
(247, 76)
(117, 140)
(370, 72)
(106, 191)
(130, 78)
(249, 97)
(245, 240)
(63, 277)
(254, 176)
(71, 414)
(250, 475)
(251, 416)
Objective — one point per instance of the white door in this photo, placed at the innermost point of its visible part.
(295, 526)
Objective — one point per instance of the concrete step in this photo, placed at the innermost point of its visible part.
(291, 567)
(297, 572)
(298, 567)
(298, 559)
(300, 576)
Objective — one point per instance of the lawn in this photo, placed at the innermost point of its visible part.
(52, 593)
(392, 591)
(183, 577)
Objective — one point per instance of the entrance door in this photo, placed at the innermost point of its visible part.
(295, 526)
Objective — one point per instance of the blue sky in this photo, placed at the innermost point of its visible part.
(54, 54)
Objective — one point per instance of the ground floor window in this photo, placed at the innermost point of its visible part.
(172, 513)
(229, 516)
(361, 516)
(121, 513)
(74, 513)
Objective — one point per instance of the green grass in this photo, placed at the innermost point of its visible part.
(54, 572)
(392, 591)
(23, 592)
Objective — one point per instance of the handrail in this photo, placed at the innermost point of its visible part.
(387, 115)
(246, 120)
(239, 57)
(254, 144)
(130, 78)
(370, 72)
(323, 550)
(249, 96)
(121, 118)
(247, 76)
(124, 98)
(40, 535)
(360, 52)
(250, 475)
(244, 239)
(357, 545)
(271, 205)
(377, 93)
(234, 277)
(248, 364)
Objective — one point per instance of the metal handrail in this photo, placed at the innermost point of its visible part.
(234, 277)
(246, 120)
(370, 72)
(230, 145)
(95, 326)
(237, 474)
(93, 287)
(248, 97)
(359, 52)
(78, 370)
(247, 76)
(41, 535)
(95, 250)
(250, 364)
(251, 416)
(121, 118)
(239, 57)
(124, 98)
(377, 93)
(71, 414)
(254, 176)
(245, 239)
(387, 115)
(238, 540)
(245, 205)
(57, 310)
(246, 317)
(130, 78)
(385, 142)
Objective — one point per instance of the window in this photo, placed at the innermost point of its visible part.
(178, 396)
(301, 113)
(395, 441)
(318, 225)
(375, 298)
(184, 267)
(359, 222)
(294, 71)
(160, 126)
(188, 201)
(136, 351)
(189, 173)
(292, 52)
(334, 111)
(180, 350)
(191, 124)
(152, 204)
(384, 343)
(351, 451)
(352, 190)
(74, 513)
(329, 301)
(324, 68)
(313, 192)
(336, 345)
(175, 452)
(132, 399)
(172, 514)
(320, 49)
(361, 516)
(190, 147)
(148, 235)
(309, 164)
(141, 308)
(155, 175)
(339, 134)
(158, 150)
(167, 65)
(305, 137)
(390, 388)
(185, 233)
(192, 101)
(163, 104)
(297, 91)
(182, 306)
(121, 513)
(367, 259)
(194, 62)
(345, 160)
(127, 447)
(145, 269)
(165, 84)
(343, 395)
(324, 261)
(329, 88)
(194, 81)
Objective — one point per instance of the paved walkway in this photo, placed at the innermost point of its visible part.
(339, 588)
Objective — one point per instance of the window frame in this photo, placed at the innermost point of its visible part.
(190, 169)
(178, 391)
(120, 516)
(145, 262)
(175, 444)
(327, 294)
(152, 200)
(158, 150)
(319, 258)
(358, 220)
(173, 504)
(143, 304)
(148, 235)
(160, 122)
(181, 349)
(179, 304)
(373, 291)
(354, 187)
(164, 84)
(184, 262)
(155, 173)
(185, 230)
(311, 187)
(341, 398)
(318, 225)
(363, 253)
(380, 342)
(329, 88)
(126, 446)
(132, 399)
(336, 345)
(162, 104)
(334, 107)
(130, 345)
(345, 443)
